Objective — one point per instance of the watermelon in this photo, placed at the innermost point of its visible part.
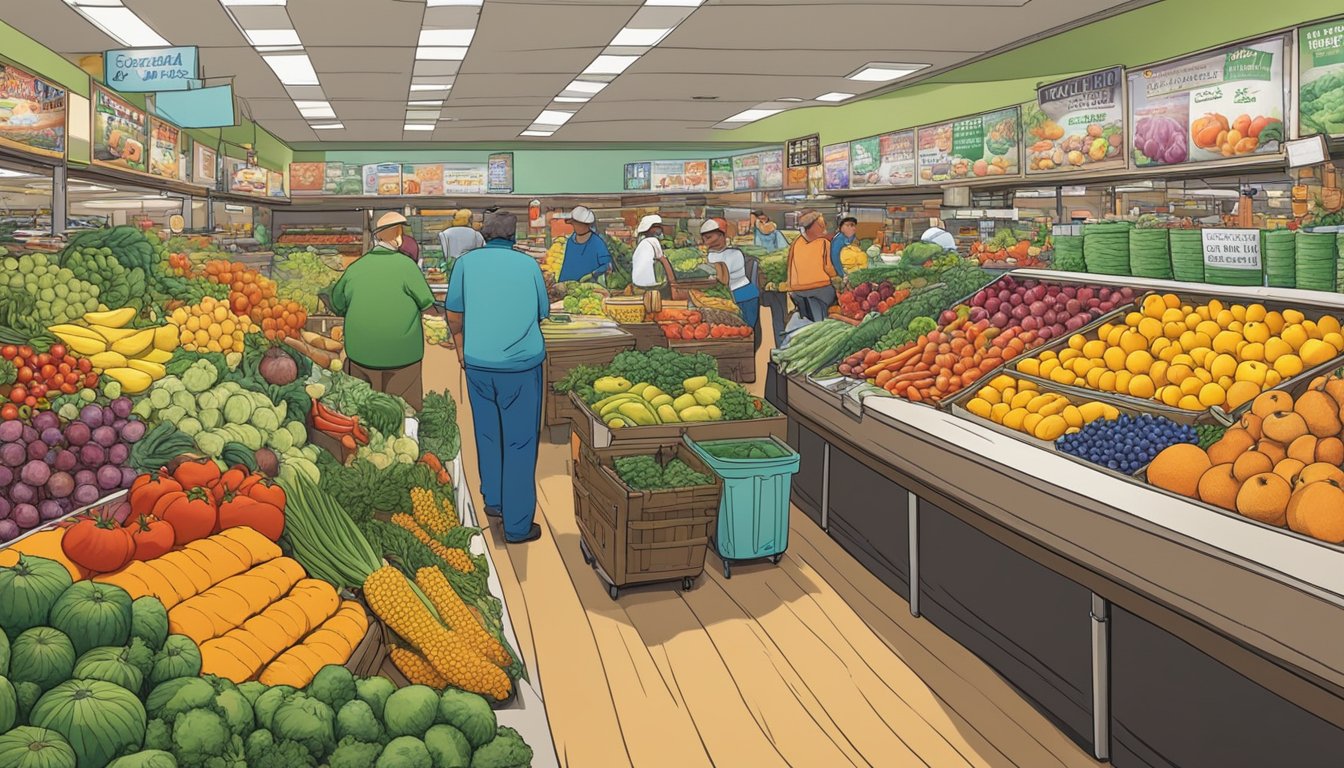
(28, 747)
(119, 665)
(4, 654)
(179, 657)
(42, 655)
(149, 621)
(9, 705)
(150, 758)
(99, 719)
(30, 586)
(93, 614)
(27, 694)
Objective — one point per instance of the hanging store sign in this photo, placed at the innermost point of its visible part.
(32, 113)
(1231, 248)
(164, 141)
(679, 176)
(804, 152)
(210, 107)
(1077, 124)
(637, 177)
(465, 179)
(721, 174)
(149, 70)
(204, 165)
(422, 179)
(120, 132)
(864, 162)
(835, 165)
(1320, 79)
(246, 179)
(882, 161)
(499, 172)
(1214, 106)
(307, 178)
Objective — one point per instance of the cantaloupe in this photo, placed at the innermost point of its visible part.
(1178, 469)
(1251, 463)
(1265, 497)
(1317, 510)
(1218, 486)
(1284, 427)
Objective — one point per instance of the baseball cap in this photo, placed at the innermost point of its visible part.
(648, 222)
(712, 225)
(583, 215)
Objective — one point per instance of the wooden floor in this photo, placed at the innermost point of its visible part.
(810, 663)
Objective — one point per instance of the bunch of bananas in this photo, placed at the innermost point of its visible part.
(133, 357)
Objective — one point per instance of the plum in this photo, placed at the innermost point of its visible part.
(11, 431)
(77, 433)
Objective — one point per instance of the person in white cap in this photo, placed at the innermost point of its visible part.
(586, 254)
(731, 267)
(649, 250)
(456, 241)
(381, 297)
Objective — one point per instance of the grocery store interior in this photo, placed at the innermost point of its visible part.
(600, 383)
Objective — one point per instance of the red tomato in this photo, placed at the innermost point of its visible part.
(18, 393)
(64, 367)
(25, 375)
(47, 372)
(38, 389)
(85, 366)
(30, 401)
(9, 351)
(91, 381)
(98, 544)
(42, 359)
(26, 351)
(57, 351)
(9, 411)
(69, 389)
(152, 537)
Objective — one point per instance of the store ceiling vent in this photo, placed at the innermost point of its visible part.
(957, 197)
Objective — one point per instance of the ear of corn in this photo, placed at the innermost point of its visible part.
(434, 516)
(459, 617)
(416, 669)
(457, 558)
(390, 595)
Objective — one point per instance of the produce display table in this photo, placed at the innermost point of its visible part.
(564, 355)
(591, 431)
(737, 357)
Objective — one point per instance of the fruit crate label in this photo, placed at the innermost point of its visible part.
(1231, 248)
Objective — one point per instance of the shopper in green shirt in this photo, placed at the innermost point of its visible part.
(381, 297)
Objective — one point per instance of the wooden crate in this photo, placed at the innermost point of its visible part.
(591, 431)
(369, 655)
(647, 335)
(638, 537)
(737, 357)
(563, 356)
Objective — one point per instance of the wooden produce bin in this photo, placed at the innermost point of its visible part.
(737, 357)
(592, 432)
(639, 537)
(564, 355)
(647, 335)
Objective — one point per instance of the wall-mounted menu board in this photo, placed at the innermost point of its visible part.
(465, 178)
(973, 147)
(307, 178)
(1076, 124)
(120, 132)
(637, 177)
(32, 113)
(382, 179)
(422, 179)
(1224, 104)
(1320, 91)
(804, 152)
(343, 179)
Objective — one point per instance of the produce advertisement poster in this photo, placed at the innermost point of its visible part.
(501, 173)
(120, 132)
(721, 174)
(32, 113)
(746, 172)
(204, 165)
(1231, 248)
(382, 179)
(1320, 95)
(1077, 124)
(465, 179)
(679, 175)
(247, 180)
(865, 160)
(1229, 103)
(637, 177)
(835, 164)
(307, 178)
(804, 152)
(423, 179)
(796, 178)
(275, 184)
(344, 179)
(897, 151)
(934, 153)
(772, 169)
(163, 148)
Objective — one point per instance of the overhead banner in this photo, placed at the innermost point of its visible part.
(164, 140)
(835, 164)
(679, 176)
(882, 161)
(804, 152)
(120, 132)
(499, 169)
(307, 178)
(637, 177)
(772, 169)
(422, 179)
(245, 179)
(864, 162)
(1219, 105)
(1320, 93)
(1077, 124)
(465, 179)
(210, 107)
(204, 165)
(934, 153)
(721, 174)
(32, 113)
(152, 70)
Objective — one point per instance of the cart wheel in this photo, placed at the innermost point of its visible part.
(687, 583)
(776, 558)
(587, 555)
(727, 570)
(614, 591)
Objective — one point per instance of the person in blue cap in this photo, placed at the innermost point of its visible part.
(586, 253)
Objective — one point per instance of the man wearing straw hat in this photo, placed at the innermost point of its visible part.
(381, 297)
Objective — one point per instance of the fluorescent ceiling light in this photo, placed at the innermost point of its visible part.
(94, 2)
(413, 115)
(432, 53)
(834, 96)
(446, 36)
(610, 65)
(252, 2)
(122, 25)
(585, 86)
(752, 115)
(326, 126)
(885, 73)
(571, 99)
(292, 69)
(678, 3)
(429, 87)
(418, 127)
(325, 111)
(553, 117)
(536, 133)
(436, 3)
(438, 103)
(788, 98)
(639, 37)
(272, 36)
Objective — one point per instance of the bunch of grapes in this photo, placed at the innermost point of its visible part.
(60, 297)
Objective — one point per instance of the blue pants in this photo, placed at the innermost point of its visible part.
(506, 407)
(748, 299)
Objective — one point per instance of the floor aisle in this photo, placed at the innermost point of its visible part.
(813, 662)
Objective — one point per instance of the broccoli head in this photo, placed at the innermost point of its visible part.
(198, 735)
(356, 719)
(353, 753)
(333, 685)
(506, 750)
(283, 754)
(307, 721)
(158, 735)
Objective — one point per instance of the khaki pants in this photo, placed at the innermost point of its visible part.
(404, 382)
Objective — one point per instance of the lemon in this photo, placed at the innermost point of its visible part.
(1275, 322)
(1334, 339)
(1089, 411)
(1158, 372)
(1329, 324)
(1252, 351)
(1107, 381)
(1170, 395)
(989, 394)
(1154, 305)
(997, 412)
(1240, 393)
(1293, 316)
(1076, 341)
(1122, 379)
(1193, 320)
(1223, 365)
(1252, 372)
(1002, 382)
(1178, 372)
(1065, 355)
(1050, 428)
(1133, 341)
(1114, 358)
(1021, 399)
(979, 407)
(1172, 300)
(1048, 367)
(1295, 335)
(1315, 352)
(1063, 376)
(1191, 386)
(1030, 366)
(1226, 342)
(1142, 386)
(1224, 318)
(1093, 377)
(1132, 319)
(1073, 416)
(1203, 375)
(1173, 315)
(1138, 362)
(1095, 349)
(1256, 332)
(1212, 394)
(1151, 328)
(1256, 313)
(1209, 328)
(1190, 403)
(1173, 330)
(1031, 421)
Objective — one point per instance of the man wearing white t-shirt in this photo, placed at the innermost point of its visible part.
(648, 251)
(731, 267)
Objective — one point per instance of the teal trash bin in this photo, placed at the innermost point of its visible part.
(754, 509)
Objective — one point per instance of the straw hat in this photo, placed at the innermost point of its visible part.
(390, 219)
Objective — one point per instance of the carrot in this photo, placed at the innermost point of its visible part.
(348, 443)
(913, 395)
(318, 356)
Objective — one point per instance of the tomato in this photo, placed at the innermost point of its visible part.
(64, 367)
(18, 393)
(69, 389)
(229, 482)
(191, 513)
(147, 489)
(261, 517)
(9, 411)
(153, 537)
(47, 372)
(30, 401)
(261, 489)
(84, 365)
(71, 377)
(26, 351)
(25, 375)
(57, 351)
(91, 381)
(9, 351)
(42, 359)
(98, 544)
(197, 473)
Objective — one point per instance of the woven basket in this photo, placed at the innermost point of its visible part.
(624, 309)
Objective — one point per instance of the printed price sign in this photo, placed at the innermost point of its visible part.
(1232, 248)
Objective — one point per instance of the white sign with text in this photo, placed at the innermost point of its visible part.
(1232, 248)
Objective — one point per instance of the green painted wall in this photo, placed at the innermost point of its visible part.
(40, 60)
(1160, 31)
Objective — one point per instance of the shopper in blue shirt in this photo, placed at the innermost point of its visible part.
(767, 235)
(849, 230)
(586, 253)
(496, 301)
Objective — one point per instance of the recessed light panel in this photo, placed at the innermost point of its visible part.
(885, 73)
(835, 96)
(752, 115)
(610, 65)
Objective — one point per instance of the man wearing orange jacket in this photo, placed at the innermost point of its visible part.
(810, 268)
